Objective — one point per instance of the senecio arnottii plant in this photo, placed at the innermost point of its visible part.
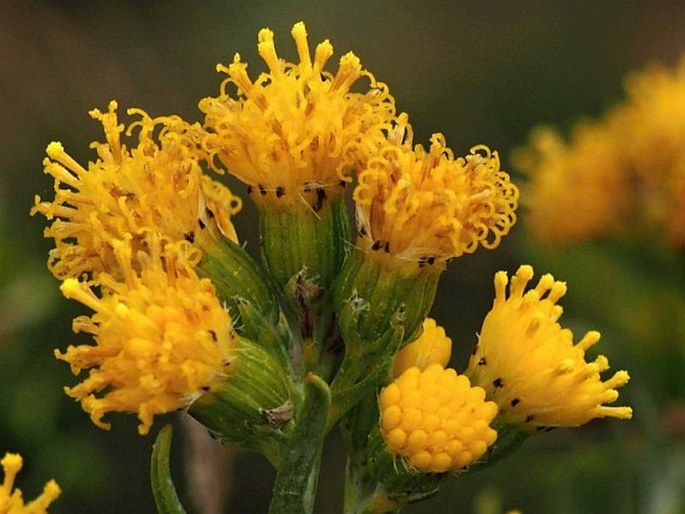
(331, 325)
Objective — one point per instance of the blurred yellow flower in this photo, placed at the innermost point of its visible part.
(425, 206)
(126, 194)
(435, 420)
(651, 127)
(292, 135)
(529, 364)
(578, 191)
(162, 338)
(431, 347)
(623, 175)
(11, 501)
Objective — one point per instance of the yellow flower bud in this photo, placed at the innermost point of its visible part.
(432, 347)
(435, 421)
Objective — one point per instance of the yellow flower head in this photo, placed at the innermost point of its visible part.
(161, 338)
(621, 175)
(427, 207)
(435, 420)
(651, 128)
(293, 133)
(530, 365)
(11, 501)
(127, 193)
(579, 190)
(432, 347)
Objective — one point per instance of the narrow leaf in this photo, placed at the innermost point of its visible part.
(162, 486)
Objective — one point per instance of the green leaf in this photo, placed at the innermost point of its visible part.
(162, 486)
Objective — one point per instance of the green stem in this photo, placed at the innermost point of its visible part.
(163, 488)
(295, 487)
(363, 369)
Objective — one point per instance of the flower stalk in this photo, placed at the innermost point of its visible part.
(295, 487)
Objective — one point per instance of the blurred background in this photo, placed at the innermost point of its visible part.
(477, 71)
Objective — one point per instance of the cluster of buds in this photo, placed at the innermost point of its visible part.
(331, 324)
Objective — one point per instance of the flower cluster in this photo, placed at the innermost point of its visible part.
(525, 370)
(620, 175)
(332, 325)
(125, 232)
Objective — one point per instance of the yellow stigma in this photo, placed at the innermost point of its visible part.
(126, 193)
(431, 347)
(161, 338)
(530, 365)
(11, 501)
(293, 134)
(435, 420)
(428, 207)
